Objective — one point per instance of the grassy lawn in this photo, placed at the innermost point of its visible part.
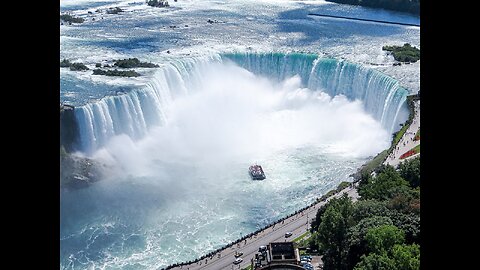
(247, 268)
(417, 135)
(416, 149)
(399, 134)
(342, 186)
(375, 162)
(299, 238)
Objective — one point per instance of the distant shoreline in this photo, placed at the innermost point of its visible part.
(365, 20)
(407, 6)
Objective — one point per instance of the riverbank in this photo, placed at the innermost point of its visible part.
(360, 19)
(409, 6)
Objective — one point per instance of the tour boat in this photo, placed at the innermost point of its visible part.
(256, 172)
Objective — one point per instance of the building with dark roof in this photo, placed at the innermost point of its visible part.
(277, 255)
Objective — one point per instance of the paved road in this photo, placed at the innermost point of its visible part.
(406, 142)
(297, 224)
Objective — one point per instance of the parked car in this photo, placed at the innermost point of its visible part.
(308, 266)
(238, 260)
(306, 258)
(262, 248)
(288, 234)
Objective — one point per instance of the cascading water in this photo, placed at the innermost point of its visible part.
(383, 97)
(139, 110)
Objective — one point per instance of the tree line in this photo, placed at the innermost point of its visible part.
(379, 231)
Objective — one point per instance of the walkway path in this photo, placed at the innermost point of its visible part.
(297, 224)
(406, 142)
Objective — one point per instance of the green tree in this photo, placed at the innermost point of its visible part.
(406, 257)
(357, 245)
(332, 232)
(409, 223)
(381, 239)
(404, 199)
(369, 208)
(381, 187)
(410, 171)
(318, 218)
(365, 179)
(375, 261)
(400, 257)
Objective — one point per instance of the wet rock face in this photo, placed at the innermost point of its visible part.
(78, 172)
(68, 128)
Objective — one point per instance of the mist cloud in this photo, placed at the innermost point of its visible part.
(236, 115)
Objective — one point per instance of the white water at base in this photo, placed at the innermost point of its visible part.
(236, 115)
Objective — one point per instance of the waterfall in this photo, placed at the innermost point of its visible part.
(135, 112)
(383, 97)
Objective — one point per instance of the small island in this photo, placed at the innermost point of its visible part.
(121, 63)
(405, 53)
(73, 66)
(70, 19)
(133, 63)
(116, 72)
(157, 3)
(114, 10)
